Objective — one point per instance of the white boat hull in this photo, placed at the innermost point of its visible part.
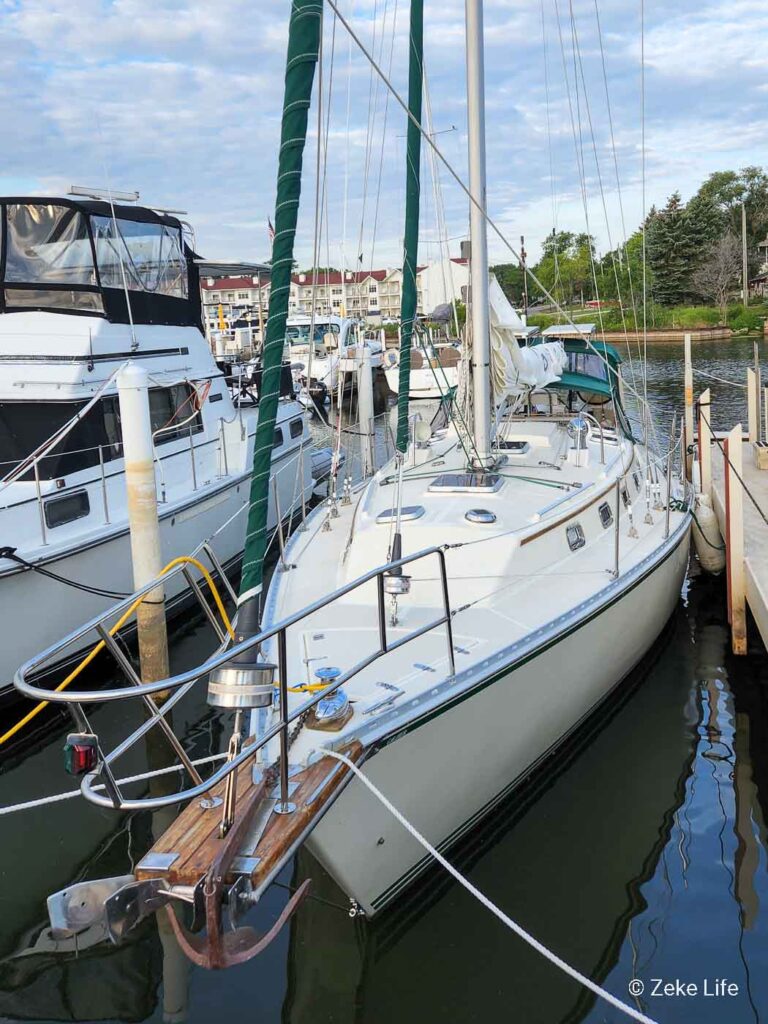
(479, 748)
(424, 382)
(36, 611)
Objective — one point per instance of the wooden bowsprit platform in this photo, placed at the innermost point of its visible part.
(186, 851)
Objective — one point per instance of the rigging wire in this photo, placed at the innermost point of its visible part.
(465, 189)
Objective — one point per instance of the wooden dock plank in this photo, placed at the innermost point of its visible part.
(755, 529)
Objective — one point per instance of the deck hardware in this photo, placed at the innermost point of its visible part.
(245, 865)
(453, 483)
(81, 906)
(407, 512)
(393, 692)
(157, 861)
(242, 685)
(480, 515)
(396, 585)
(132, 903)
(209, 802)
(423, 667)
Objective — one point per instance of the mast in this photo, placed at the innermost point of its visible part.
(411, 236)
(481, 341)
(303, 51)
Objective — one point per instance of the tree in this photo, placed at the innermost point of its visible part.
(670, 251)
(510, 278)
(727, 190)
(718, 272)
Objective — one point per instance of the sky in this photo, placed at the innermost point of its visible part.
(182, 102)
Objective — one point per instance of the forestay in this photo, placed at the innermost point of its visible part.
(515, 370)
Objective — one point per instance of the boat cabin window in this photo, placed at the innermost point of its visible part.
(297, 428)
(278, 438)
(66, 509)
(174, 412)
(298, 334)
(24, 426)
(587, 363)
(49, 259)
(150, 255)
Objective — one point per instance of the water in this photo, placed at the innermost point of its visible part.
(641, 855)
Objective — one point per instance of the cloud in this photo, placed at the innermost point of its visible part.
(183, 102)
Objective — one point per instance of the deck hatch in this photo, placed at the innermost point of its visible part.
(389, 515)
(452, 483)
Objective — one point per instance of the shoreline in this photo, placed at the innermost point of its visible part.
(672, 334)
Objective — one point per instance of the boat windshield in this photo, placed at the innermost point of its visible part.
(151, 256)
(298, 334)
(82, 257)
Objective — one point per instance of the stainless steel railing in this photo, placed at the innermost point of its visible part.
(178, 685)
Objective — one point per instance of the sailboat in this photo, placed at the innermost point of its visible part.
(443, 626)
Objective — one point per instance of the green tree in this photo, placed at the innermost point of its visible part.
(670, 251)
(510, 277)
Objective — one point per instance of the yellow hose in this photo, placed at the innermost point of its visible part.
(183, 559)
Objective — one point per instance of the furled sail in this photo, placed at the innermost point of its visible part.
(411, 243)
(516, 369)
(303, 49)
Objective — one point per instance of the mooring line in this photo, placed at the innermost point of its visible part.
(56, 798)
(553, 958)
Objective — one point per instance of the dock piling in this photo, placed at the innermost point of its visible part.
(734, 524)
(141, 488)
(705, 442)
(753, 401)
(688, 383)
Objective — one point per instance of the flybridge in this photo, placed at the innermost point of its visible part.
(90, 257)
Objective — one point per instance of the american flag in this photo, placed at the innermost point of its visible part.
(270, 230)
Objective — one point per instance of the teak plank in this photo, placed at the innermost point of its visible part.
(194, 835)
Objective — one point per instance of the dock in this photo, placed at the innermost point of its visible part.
(733, 473)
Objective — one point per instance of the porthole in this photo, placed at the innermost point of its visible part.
(625, 496)
(59, 511)
(606, 515)
(575, 536)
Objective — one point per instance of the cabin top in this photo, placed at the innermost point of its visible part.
(81, 256)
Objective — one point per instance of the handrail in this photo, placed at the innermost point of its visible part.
(181, 682)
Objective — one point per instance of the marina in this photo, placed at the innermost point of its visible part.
(375, 647)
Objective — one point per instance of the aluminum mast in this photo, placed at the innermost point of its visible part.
(481, 343)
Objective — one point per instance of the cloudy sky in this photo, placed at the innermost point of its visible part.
(182, 102)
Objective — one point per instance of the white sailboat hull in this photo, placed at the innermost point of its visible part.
(447, 770)
(424, 382)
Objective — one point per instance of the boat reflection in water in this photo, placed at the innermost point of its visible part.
(640, 855)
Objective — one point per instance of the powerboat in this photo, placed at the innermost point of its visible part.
(88, 286)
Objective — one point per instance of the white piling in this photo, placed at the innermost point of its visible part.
(752, 404)
(218, 338)
(705, 442)
(365, 407)
(688, 406)
(734, 541)
(133, 391)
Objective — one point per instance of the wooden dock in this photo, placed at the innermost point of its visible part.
(733, 472)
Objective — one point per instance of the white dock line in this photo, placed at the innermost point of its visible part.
(487, 903)
(57, 798)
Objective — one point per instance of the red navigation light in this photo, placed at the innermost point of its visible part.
(81, 753)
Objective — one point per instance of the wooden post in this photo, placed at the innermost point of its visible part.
(705, 442)
(734, 541)
(688, 407)
(752, 422)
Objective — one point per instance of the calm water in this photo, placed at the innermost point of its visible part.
(642, 855)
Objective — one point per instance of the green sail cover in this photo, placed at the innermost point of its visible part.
(411, 239)
(303, 49)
